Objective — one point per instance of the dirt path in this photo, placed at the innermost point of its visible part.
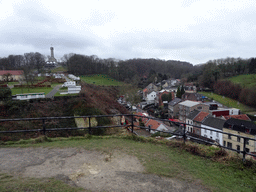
(92, 170)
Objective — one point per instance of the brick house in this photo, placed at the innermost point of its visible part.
(186, 107)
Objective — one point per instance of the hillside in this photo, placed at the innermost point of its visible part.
(93, 100)
(246, 81)
(100, 79)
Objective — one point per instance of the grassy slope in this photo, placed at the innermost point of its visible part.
(58, 69)
(46, 90)
(99, 79)
(228, 102)
(12, 183)
(248, 81)
(168, 161)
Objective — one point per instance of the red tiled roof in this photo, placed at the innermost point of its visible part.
(12, 72)
(154, 124)
(145, 90)
(200, 117)
(141, 114)
(242, 117)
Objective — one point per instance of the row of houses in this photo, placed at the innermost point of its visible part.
(207, 120)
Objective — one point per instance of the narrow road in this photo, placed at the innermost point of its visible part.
(53, 92)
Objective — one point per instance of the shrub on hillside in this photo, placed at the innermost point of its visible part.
(5, 93)
(234, 91)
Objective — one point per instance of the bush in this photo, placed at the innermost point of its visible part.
(5, 93)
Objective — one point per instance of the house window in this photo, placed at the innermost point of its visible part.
(224, 143)
(238, 148)
(229, 145)
(238, 139)
(217, 134)
(205, 130)
(191, 130)
(210, 137)
(247, 150)
(229, 136)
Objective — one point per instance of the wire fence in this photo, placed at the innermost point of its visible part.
(129, 124)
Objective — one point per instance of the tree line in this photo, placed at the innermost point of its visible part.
(139, 72)
(212, 71)
(235, 91)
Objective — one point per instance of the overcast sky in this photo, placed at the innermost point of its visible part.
(188, 30)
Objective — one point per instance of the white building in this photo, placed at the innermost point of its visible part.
(234, 111)
(214, 124)
(189, 120)
(74, 89)
(151, 97)
(27, 96)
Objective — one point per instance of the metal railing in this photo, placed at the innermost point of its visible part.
(184, 134)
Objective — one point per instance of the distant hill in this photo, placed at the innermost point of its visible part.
(246, 81)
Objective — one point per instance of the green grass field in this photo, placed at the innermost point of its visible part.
(46, 90)
(58, 69)
(99, 79)
(158, 158)
(228, 102)
(13, 83)
(247, 81)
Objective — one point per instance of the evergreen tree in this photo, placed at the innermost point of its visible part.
(182, 91)
(178, 94)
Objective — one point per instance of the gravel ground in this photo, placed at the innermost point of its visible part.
(92, 170)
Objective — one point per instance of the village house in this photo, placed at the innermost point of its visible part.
(166, 84)
(155, 126)
(14, 75)
(150, 98)
(197, 121)
(189, 121)
(241, 128)
(214, 124)
(173, 107)
(192, 97)
(186, 107)
(189, 88)
(151, 87)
